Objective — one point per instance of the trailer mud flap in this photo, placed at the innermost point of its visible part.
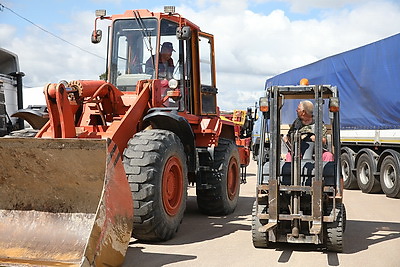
(63, 202)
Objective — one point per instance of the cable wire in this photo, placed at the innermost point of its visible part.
(52, 34)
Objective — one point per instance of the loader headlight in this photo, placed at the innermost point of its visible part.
(101, 13)
(173, 84)
(169, 9)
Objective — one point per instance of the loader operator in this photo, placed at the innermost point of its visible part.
(305, 124)
(165, 62)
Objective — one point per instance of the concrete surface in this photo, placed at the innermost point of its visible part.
(372, 237)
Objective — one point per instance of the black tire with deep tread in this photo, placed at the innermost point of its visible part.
(366, 167)
(390, 177)
(344, 218)
(260, 240)
(144, 161)
(214, 199)
(334, 230)
(349, 179)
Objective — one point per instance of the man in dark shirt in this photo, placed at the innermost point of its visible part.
(165, 62)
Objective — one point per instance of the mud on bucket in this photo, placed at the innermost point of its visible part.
(63, 202)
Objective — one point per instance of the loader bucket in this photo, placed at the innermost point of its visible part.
(63, 202)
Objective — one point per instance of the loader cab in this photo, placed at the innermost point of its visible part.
(137, 47)
(146, 46)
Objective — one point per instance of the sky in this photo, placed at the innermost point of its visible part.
(254, 39)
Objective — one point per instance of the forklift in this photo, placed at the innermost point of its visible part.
(299, 200)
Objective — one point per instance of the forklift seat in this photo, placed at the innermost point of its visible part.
(307, 171)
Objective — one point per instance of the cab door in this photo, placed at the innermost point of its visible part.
(208, 89)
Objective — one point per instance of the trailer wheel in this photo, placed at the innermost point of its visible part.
(221, 194)
(347, 163)
(334, 231)
(366, 179)
(260, 240)
(389, 176)
(155, 164)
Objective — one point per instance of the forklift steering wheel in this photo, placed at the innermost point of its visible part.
(307, 136)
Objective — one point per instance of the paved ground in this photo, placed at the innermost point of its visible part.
(372, 237)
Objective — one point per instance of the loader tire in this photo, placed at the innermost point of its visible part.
(366, 167)
(390, 177)
(221, 194)
(155, 164)
(334, 230)
(260, 240)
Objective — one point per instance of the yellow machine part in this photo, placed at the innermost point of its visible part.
(238, 117)
(63, 202)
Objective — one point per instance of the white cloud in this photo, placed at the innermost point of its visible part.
(305, 6)
(45, 58)
(255, 46)
(250, 46)
(6, 32)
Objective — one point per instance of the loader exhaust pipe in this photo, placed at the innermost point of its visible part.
(63, 202)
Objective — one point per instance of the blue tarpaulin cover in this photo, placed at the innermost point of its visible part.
(368, 81)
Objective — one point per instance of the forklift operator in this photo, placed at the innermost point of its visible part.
(305, 124)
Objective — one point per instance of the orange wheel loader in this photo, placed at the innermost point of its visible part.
(118, 155)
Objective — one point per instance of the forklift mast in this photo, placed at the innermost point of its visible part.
(299, 201)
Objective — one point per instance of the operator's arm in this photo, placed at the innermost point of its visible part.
(324, 136)
(296, 125)
(149, 68)
(286, 138)
(170, 70)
